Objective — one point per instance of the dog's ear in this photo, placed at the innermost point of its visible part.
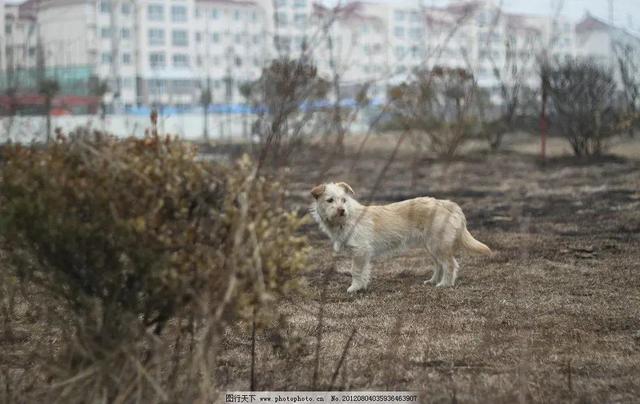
(318, 190)
(347, 188)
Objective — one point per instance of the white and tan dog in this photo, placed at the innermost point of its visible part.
(370, 231)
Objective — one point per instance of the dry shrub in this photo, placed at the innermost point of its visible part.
(436, 105)
(584, 105)
(138, 242)
(284, 97)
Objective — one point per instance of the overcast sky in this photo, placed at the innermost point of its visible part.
(626, 13)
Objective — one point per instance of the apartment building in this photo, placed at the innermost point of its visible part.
(170, 52)
(351, 46)
(3, 33)
(19, 37)
(604, 44)
(232, 46)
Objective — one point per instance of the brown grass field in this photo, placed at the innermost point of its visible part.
(553, 317)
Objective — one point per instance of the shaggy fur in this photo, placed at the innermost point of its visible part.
(369, 231)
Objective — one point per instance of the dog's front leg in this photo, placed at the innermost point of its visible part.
(360, 273)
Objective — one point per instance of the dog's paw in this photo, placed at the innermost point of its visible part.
(429, 282)
(443, 285)
(354, 288)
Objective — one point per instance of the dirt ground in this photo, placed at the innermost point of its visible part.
(554, 316)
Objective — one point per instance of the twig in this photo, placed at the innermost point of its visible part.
(252, 386)
(342, 357)
(323, 298)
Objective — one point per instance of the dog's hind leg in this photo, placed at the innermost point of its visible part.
(437, 273)
(449, 268)
(360, 273)
(456, 267)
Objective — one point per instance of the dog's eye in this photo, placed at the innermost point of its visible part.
(344, 200)
(330, 200)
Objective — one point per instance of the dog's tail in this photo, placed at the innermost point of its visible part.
(474, 245)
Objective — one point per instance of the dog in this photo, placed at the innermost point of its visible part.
(366, 232)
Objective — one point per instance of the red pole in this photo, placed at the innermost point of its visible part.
(543, 134)
(543, 113)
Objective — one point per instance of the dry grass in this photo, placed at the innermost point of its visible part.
(554, 317)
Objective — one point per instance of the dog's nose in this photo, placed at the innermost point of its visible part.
(341, 211)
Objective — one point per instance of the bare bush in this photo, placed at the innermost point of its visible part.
(131, 238)
(284, 98)
(583, 106)
(628, 59)
(436, 105)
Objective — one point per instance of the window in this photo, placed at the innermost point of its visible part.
(157, 86)
(281, 19)
(238, 38)
(156, 12)
(179, 38)
(399, 52)
(299, 43)
(214, 14)
(125, 33)
(156, 36)
(236, 15)
(156, 59)
(415, 33)
(399, 15)
(180, 60)
(198, 37)
(299, 3)
(283, 43)
(127, 82)
(106, 58)
(105, 6)
(105, 33)
(399, 32)
(178, 13)
(215, 37)
(125, 9)
(126, 58)
(198, 13)
(415, 16)
(482, 19)
(281, 3)
(299, 19)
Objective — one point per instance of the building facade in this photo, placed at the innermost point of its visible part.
(171, 52)
(607, 45)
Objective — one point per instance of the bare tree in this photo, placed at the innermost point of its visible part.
(205, 102)
(628, 59)
(284, 98)
(48, 88)
(583, 106)
(436, 106)
(99, 88)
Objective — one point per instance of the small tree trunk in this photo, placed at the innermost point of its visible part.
(48, 107)
(205, 116)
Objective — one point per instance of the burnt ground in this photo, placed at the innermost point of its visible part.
(554, 316)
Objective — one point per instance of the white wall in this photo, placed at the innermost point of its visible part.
(3, 55)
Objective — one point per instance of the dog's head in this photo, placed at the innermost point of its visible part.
(333, 201)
